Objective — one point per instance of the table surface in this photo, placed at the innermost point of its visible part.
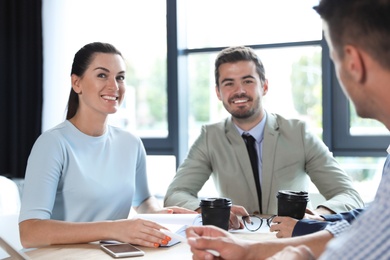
(93, 251)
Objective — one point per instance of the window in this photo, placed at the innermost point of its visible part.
(72, 24)
(226, 22)
(170, 47)
(350, 135)
(288, 41)
(287, 35)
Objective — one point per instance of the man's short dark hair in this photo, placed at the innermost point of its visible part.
(362, 23)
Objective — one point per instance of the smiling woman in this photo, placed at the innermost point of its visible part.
(77, 167)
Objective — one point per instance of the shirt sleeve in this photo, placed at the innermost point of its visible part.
(336, 228)
(190, 176)
(42, 177)
(348, 216)
(142, 188)
(308, 226)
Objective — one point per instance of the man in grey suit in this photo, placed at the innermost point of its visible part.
(288, 156)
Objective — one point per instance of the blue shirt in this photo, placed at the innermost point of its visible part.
(75, 177)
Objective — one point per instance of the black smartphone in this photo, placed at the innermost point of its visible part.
(122, 250)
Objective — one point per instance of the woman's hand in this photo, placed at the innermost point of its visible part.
(138, 231)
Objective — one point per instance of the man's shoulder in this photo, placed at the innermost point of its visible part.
(218, 125)
(219, 130)
(278, 121)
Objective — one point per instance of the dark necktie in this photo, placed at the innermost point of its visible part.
(250, 146)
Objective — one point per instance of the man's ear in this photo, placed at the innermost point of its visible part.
(265, 87)
(76, 83)
(354, 62)
(218, 92)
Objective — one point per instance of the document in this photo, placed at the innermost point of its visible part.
(176, 223)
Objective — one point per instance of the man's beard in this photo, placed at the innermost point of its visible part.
(244, 115)
(241, 114)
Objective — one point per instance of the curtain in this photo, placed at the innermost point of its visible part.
(20, 82)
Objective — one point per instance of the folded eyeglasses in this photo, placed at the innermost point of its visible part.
(254, 222)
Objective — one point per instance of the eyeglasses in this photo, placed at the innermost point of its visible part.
(253, 222)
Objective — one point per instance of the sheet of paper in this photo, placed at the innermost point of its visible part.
(176, 223)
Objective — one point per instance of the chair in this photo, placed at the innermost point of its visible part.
(9, 213)
(9, 197)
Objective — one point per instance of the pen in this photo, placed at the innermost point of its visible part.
(184, 240)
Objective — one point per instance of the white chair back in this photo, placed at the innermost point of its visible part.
(9, 214)
(9, 197)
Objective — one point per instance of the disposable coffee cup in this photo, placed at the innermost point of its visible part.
(216, 212)
(292, 203)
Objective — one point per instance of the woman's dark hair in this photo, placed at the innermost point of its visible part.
(81, 61)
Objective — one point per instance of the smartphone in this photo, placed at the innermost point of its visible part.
(122, 250)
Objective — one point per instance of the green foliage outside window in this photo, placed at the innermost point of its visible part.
(306, 82)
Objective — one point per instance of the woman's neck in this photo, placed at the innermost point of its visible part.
(89, 125)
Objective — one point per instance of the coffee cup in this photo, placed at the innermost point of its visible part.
(216, 212)
(292, 203)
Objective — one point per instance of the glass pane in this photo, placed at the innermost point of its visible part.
(161, 170)
(366, 173)
(144, 110)
(295, 87)
(229, 22)
(363, 126)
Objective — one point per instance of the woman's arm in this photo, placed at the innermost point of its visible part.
(37, 233)
(151, 205)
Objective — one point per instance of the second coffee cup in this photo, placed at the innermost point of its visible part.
(292, 203)
(216, 211)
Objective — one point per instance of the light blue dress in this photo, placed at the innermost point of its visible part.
(75, 177)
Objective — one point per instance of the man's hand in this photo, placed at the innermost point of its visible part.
(284, 226)
(236, 212)
(202, 238)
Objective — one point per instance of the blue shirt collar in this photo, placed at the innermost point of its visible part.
(258, 131)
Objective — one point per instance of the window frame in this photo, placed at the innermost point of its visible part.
(336, 116)
(335, 104)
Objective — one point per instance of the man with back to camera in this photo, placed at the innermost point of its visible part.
(288, 155)
(358, 35)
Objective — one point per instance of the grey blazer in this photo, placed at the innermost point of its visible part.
(291, 158)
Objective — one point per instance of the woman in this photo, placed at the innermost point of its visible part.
(83, 176)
